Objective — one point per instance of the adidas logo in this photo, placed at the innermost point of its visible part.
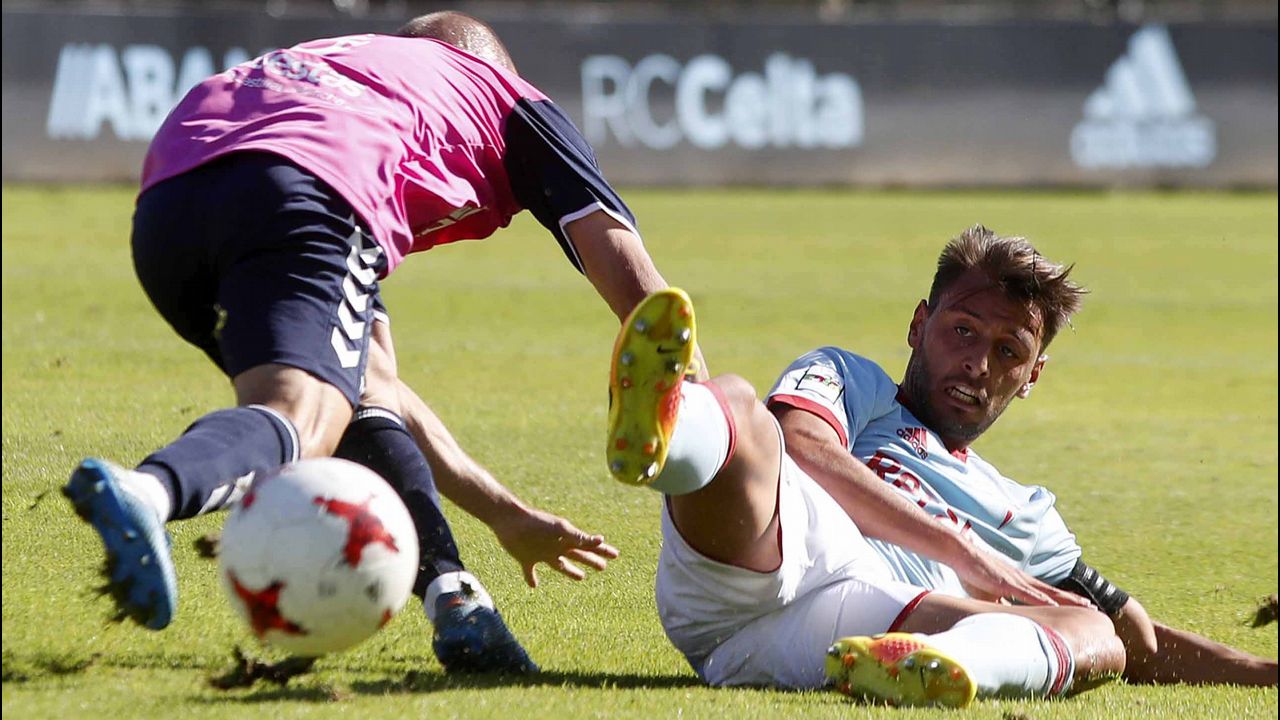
(1144, 115)
(917, 438)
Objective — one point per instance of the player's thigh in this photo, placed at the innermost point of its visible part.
(787, 648)
(256, 261)
(938, 612)
(318, 411)
(733, 518)
(382, 385)
(306, 305)
(267, 269)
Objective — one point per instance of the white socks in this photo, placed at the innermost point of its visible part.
(700, 443)
(452, 582)
(1008, 655)
(148, 489)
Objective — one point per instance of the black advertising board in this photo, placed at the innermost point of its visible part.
(711, 102)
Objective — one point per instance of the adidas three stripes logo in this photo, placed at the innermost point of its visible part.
(1144, 115)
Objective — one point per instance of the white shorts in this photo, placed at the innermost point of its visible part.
(741, 627)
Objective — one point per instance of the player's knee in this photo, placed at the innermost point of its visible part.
(1135, 628)
(1090, 627)
(324, 423)
(323, 441)
(318, 411)
(1093, 622)
(756, 435)
(319, 429)
(739, 397)
(1108, 658)
(1091, 636)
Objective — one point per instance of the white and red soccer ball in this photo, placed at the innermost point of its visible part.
(318, 556)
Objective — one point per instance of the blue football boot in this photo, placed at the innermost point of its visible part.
(139, 567)
(473, 638)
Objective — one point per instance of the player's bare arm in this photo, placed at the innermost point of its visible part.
(882, 513)
(528, 534)
(618, 266)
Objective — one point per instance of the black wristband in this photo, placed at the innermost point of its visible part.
(1089, 583)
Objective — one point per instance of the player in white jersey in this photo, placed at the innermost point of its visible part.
(898, 460)
(859, 404)
(764, 579)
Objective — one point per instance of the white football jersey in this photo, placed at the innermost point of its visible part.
(859, 400)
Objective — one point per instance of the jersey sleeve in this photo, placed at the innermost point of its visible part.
(1032, 532)
(845, 390)
(554, 173)
(1056, 550)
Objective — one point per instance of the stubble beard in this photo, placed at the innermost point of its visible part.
(917, 384)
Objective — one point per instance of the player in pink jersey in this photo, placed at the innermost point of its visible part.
(275, 197)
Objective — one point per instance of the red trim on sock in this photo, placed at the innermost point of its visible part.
(906, 611)
(1064, 661)
(728, 418)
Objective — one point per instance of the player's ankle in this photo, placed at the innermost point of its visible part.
(150, 490)
(454, 582)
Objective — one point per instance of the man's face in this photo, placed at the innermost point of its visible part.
(971, 355)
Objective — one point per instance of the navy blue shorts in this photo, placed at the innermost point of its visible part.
(254, 260)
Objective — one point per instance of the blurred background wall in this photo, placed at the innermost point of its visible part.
(1180, 93)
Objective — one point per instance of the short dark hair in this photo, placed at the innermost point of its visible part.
(1018, 269)
(461, 31)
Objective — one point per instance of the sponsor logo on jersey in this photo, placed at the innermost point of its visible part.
(659, 103)
(822, 381)
(1144, 115)
(917, 438)
(127, 92)
(458, 215)
(290, 65)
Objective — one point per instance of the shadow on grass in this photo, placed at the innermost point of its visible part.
(21, 667)
(422, 682)
(36, 666)
(415, 682)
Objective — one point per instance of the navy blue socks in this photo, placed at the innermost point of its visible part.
(212, 463)
(377, 439)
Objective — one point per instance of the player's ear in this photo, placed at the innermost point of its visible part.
(915, 331)
(1025, 390)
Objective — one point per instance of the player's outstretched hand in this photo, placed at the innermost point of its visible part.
(986, 577)
(534, 536)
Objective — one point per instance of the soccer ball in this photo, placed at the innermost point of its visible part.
(318, 556)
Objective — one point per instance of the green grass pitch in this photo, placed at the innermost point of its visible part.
(1155, 423)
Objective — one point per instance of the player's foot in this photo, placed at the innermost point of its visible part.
(652, 355)
(139, 567)
(473, 638)
(898, 669)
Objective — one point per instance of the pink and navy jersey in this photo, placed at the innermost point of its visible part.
(860, 402)
(427, 143)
